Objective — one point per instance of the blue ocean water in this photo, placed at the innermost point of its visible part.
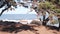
(18, 16)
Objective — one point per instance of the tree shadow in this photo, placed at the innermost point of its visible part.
(53, 28)
(12, 27)
(19, 29)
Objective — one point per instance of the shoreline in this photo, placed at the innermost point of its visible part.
(21, 21)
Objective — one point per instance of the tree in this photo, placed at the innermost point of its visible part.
(9, 3)
(54, 1)
(49, 5)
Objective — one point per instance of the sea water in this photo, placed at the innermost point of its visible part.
(18, 16)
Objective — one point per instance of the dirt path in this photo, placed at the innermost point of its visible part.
(41, 30)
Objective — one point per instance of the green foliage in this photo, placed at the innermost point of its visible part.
(46, 5)
(49, 5)
(58, 10)
(59, 2)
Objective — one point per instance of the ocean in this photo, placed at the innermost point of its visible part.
(18, 16)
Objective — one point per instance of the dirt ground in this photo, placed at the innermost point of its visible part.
(41, 30)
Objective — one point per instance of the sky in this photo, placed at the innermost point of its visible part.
(19, 10)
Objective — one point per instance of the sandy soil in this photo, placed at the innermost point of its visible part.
(41, 30)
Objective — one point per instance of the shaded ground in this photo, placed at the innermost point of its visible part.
(41, 30)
